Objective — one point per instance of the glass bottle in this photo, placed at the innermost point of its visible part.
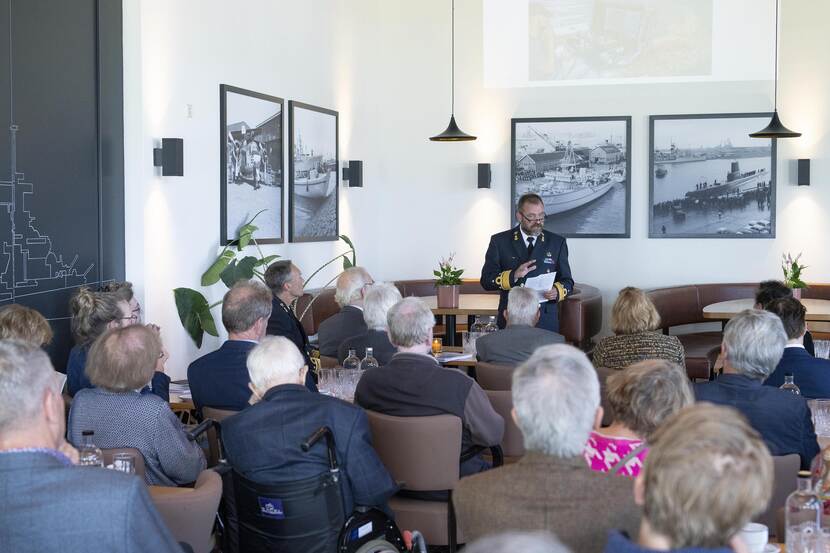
(789, 385)
(477, 326)
(491, 325)
(803, 517)
(369, 362)
(352, 361)
(88, 453)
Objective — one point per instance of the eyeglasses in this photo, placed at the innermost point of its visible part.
(539, 219)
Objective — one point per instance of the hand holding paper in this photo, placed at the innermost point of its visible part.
(542, 283)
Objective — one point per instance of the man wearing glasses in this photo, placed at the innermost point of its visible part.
(526, 251)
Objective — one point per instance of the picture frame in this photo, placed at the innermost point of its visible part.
(313, 173)
(709, 179)
(581, 167)
(251, 165)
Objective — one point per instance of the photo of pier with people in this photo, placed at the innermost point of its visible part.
(709, 179)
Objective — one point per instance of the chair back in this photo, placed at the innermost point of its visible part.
(512, 444)
(137, 456)
(327, 362)
(491, 376)
(215, 454)
(217, 414)
(422, 453)
(785, 469)
(190, 512)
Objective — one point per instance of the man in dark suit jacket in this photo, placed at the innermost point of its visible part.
(753, 343)
(379, 299)
(526, 251)
(515, 343)
(810, 374)
(49, 504)
(220, 378)
(263, 442)
(286, 283)
(771, 290)
(349, 295)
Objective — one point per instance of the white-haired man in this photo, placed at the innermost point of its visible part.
(413, 384)
(379, 300)
(516, 342)
(556, 404)
(99, 510)
(349, 295)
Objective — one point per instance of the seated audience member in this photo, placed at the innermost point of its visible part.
(707, 475)
(18, 322)
(641, 397)
(811, 374)
(753, 343)
(770, 290)
(635, 323)
(124, 291)
(93, 313)
(101, 511)
(523, 542)
(349, 295)
(379, 299)
(121, 362)
(413, 384)
(520, 338)
(220, 378)
(262, 443)
(286, 284)
(556, 404)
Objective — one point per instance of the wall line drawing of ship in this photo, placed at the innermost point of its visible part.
(734, 181)
(312, 177)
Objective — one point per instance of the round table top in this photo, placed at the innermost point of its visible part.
(817, 310)
(468, 304)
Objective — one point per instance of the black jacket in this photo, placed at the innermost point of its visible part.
(378, 340)
(283, 322)
(331, 333)
(220, 378)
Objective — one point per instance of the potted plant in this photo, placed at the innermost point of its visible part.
(792, 274)
(448, 283)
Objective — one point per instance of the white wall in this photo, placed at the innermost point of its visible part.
(384, 65)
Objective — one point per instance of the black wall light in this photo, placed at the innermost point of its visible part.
(170, 157)
(803, 172)
(354, 173)
(484, 175)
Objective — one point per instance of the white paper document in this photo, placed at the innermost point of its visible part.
(541, 283)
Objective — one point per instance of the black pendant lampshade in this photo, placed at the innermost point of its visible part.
(452, 133)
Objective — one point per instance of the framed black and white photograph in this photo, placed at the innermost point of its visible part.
(252, 176)
(581, 168)
(709, 179)
(313, 177)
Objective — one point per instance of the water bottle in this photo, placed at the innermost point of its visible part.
(789, 385)
(491, 325)
(803, 517)
(369, 362)
(88, 453)
(352, 361)
(477, 326)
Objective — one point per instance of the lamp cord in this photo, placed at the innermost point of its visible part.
(775, 95)
(452, 65)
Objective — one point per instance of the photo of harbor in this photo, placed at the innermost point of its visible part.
(709, 179)
(580, 168)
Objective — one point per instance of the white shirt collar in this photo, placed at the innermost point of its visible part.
(525, 236)
(794, 346)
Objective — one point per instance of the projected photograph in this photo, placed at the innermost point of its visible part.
(708, 179)
(251, 166)
(580, 167)
(619, 39)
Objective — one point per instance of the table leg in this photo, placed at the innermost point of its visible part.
(449, 322)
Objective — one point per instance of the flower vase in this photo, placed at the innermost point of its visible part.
(448, 296)
(797, 293)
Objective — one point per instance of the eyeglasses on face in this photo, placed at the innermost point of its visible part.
(538, 219)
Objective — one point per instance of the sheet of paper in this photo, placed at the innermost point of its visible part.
(541, 283)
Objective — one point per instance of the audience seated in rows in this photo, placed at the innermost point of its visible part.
(349, 294)
(771, 290)
(641, 397)
(413, 384)
(262, 443)
(93, 313)
(24, 324)
(220, 378)
(285, 281)
(100, 511)
(707, 475)
(124, 291)
(520, 338)
(811, 374)
(556, 404)
(523, 542)
(379, 299)
(635, 323)
(753, 343)
(121, 362)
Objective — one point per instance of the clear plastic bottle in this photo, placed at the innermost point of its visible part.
(89, 454)
(789, 385)
(352, 361)
(369, 362)
(803, 517)
(491, 325)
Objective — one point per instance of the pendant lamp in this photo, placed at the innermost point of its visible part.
(452, 132)
(775, 129)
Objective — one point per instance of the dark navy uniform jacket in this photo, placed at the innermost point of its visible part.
(507, 250)
(283, 322)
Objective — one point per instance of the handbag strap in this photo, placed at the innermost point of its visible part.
(631, 454)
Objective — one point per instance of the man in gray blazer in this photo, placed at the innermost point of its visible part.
(515, 343)
(48, 503)
(351, 289)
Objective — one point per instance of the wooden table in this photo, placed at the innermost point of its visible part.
(469, 305)
(818, 312)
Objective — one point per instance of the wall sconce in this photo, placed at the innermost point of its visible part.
(484, 175)
(170, 157)
(354, 174)
(803, 172)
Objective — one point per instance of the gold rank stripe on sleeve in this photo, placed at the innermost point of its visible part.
(503, 280)
(563, 292)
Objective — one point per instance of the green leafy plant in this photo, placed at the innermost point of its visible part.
(447, 273)
(230, 266)
(792, 271)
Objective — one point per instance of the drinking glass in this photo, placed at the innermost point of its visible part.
(326, 377)
(820, 408)
(822, 348)
(437, 345)
(124, 462)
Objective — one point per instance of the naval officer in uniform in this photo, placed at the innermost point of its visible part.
(525, 251)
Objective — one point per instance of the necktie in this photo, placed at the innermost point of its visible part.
(529, 246)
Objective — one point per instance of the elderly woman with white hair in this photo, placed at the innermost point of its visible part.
(379, 300)
(350, 292)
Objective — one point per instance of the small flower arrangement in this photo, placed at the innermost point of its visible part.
(792, 271)
(447, 273)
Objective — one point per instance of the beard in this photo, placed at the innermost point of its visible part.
(532, 229)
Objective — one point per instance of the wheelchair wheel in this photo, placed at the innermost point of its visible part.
(377, 546)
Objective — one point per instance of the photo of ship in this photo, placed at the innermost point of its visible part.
(311, 174)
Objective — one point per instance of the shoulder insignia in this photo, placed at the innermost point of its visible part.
(548, 254)
(543, 237)
(515, 236)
